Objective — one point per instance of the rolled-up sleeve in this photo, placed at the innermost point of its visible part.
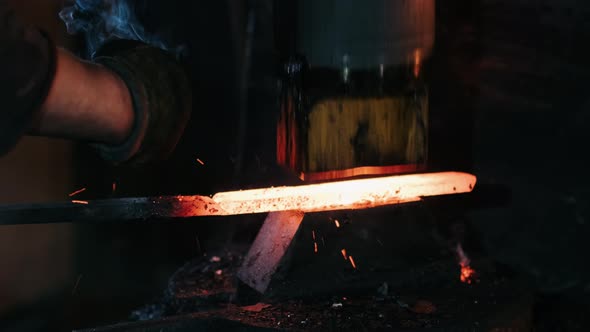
(161, 95)
(27, 68)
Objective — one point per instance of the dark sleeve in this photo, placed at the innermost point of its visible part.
(161, 95)
(27, 67)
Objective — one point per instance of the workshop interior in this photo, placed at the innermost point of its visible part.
(348, 165)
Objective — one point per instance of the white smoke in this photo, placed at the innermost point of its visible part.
(101, 21)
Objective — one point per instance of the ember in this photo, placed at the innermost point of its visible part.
(315, 247)
(80, 202)
(468, 274)
(337, 223)
(200, 161)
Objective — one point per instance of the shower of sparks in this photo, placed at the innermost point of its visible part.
(200, 161)
(343, 251)
(77, 192)
(352, 262)
(80, 202)
(468, 274)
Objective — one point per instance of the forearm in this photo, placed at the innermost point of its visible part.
(86, 102)
(131, 101)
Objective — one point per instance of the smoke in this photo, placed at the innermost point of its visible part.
(101, 21)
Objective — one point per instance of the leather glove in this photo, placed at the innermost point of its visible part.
(161, 95)
(27, 66)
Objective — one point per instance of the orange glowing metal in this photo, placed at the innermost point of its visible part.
(352, 262)
(80, 202)
(341, 195)
(77, 192)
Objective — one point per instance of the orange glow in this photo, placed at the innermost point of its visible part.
(337, 223)
(200, 161)
(80, 202)
(360, 171)
(287, 134)
(77, 192)
(417, 62)
(313, 235)
(315, 247)
(340, 195)
(343, 251)
(468, 274)
(352, 262)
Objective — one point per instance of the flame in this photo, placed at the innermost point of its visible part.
(468, 274)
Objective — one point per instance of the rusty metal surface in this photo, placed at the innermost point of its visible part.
(269, 248)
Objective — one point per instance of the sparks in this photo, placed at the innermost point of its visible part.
(80, 202)
(77, 192)
(343, 251)
(200, 161)
(114, 186)
(315, 247)
(352, 262)
(337, 223)
(313, 235)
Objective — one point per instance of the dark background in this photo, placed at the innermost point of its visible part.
(508, 84)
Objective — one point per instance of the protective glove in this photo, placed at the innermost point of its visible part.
(27, 66)
(162, 99)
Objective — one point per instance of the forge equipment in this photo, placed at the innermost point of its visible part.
(354, 98)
